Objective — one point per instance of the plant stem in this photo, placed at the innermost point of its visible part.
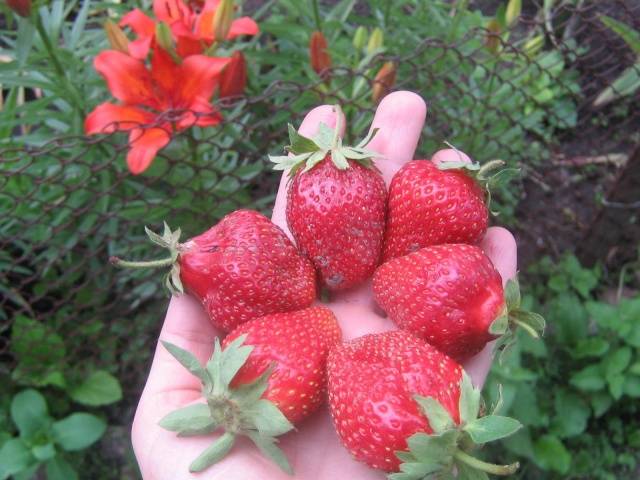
(484, 466)
(74, 94)
(316, 14)
(118, 262)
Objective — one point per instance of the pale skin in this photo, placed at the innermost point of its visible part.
(314, 450)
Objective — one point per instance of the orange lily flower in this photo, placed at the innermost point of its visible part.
(193, 31)
(234, 77)
(155, 102)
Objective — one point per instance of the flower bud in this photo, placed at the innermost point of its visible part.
(234, 76)
(533, 45)
(320, 58)
(21, 7)
(222, 20)
(117, 39)
(492, 37)
(376, 40)
(164, 36)
(384, 81)
(360, 38)
(514, 8)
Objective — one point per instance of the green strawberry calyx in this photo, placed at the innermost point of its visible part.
(489, 174)
(235, 411)
(447, 452)
(308, 152)
(169, 240)
(514, 317)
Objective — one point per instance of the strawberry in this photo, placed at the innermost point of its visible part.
(336, 205)
(299, 343)
(451, 296)
(242, 268)
(431, 205)
(269, 374)
(400, 405)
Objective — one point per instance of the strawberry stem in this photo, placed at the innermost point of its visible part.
(484, 466)
(164, 262)
(527, 328)
(487, 167)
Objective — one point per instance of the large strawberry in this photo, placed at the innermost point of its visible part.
(336, 205)
(400, 405)
(242, 268)
(431, 204)
(269, 374)
(451, 296)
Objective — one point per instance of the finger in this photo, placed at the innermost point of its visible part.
(309, 127)
(500, 247)
(450, 155)
(399, 118)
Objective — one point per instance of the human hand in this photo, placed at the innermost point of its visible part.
(314, 451)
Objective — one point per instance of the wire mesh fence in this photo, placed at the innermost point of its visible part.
(69, 204)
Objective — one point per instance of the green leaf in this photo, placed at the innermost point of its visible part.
(469, 402)
(24, 40)
(191, 420)
(632, 386)
(616, 385)
(44, 452)
(188, 361)
(234, 356)
(268, 419)
(78, 431)
(99, 388)
(492, 427)
(572, 414)
(14, 457)
(590, 347)
(269, 449)
(248, 394)
(324, 137)
(600, 402)
(39, 351)
(59, 469)
(29, 412)
(299, 143)
(617, 361)
(216, 452)
(500, 325)
(433, 449)
(627, 32)
(512, 293)
(465, 472)
(589, 379)
(533, 323)
(439, 418)
(635, 368)
(551, 454)
(419, 469)
(625, 84)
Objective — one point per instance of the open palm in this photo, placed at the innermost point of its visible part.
(314, 450)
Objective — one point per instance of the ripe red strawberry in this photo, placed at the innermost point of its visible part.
(269, 374)
(431, 206)
(399, 404)
(336, 206)
(242, 268)
(298, 343)
(451, 296)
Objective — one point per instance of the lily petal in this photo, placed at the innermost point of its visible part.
(165, 74)
(127, 78)
(172, 11)
(243, 26)
(145, 144)
(145, 29)
(199, 76)
(201, 113)
(108, 118)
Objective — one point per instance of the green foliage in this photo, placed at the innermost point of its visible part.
(576, 394)
(43, 442)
